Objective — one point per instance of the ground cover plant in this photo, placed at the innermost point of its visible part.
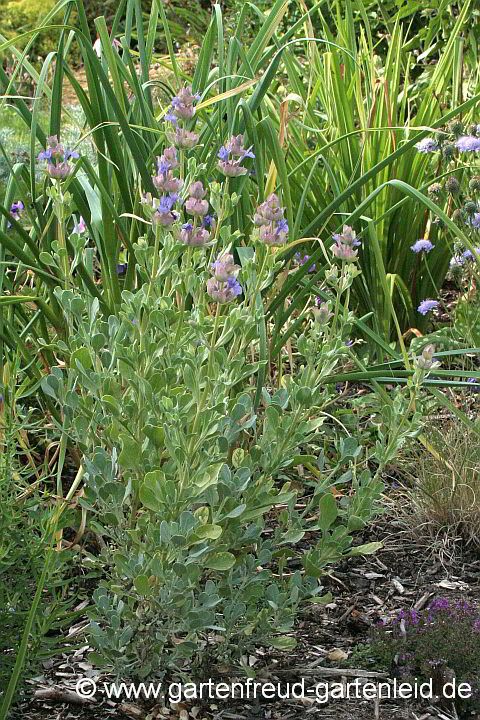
(162, 321)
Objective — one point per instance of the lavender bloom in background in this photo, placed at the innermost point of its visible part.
(15, 211)
(427, 305)
(302, 261)
(468, 143)
(427, 145)
(422, 246)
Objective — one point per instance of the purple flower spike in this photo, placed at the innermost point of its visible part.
(427, 305)
(271, 224)
(422, 246)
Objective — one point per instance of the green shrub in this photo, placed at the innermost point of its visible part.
(21, 15)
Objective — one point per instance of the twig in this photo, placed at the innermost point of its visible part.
(57, 695)
(327, 671)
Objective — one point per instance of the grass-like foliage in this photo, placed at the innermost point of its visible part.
(447, 487)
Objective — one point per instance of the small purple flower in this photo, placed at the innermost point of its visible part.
(475, 382)
(427, 145)
(79, 228)
(422, 246)
(208, 222)
(121, 268)
(231, 155)
(57, 158)
(224, 267)
(194, 237)
(427, 305)
(183, 139)
(468, 143)
(302, 260)
(182, 106)
(272, 228)
(17, 207)
(15, 211)
(347, 237)
(223, 292)
(344, 252)
(468, 255)
(475, 221)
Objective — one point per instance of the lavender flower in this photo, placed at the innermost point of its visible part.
(195, 237)
(468, 143)
(15, 211)
(223, 292)
(182, 106)
(322, 312)
(224, 267)
(79, 228)
(475, 221)
(162, 208)
(302, 261)
(268, 211)
(347, 237)
(209, 222)
(468, 255)
(425, 360)
(183, 139)
(427, 145)
(231, 156)
(272, 228)
(57, 158)
(427, 305)
(422, 246)
(344, 252)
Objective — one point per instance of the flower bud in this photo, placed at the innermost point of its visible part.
(224, 267)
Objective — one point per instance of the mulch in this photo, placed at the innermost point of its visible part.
(405, 573)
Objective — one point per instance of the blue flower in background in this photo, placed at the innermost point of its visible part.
(427, 305)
